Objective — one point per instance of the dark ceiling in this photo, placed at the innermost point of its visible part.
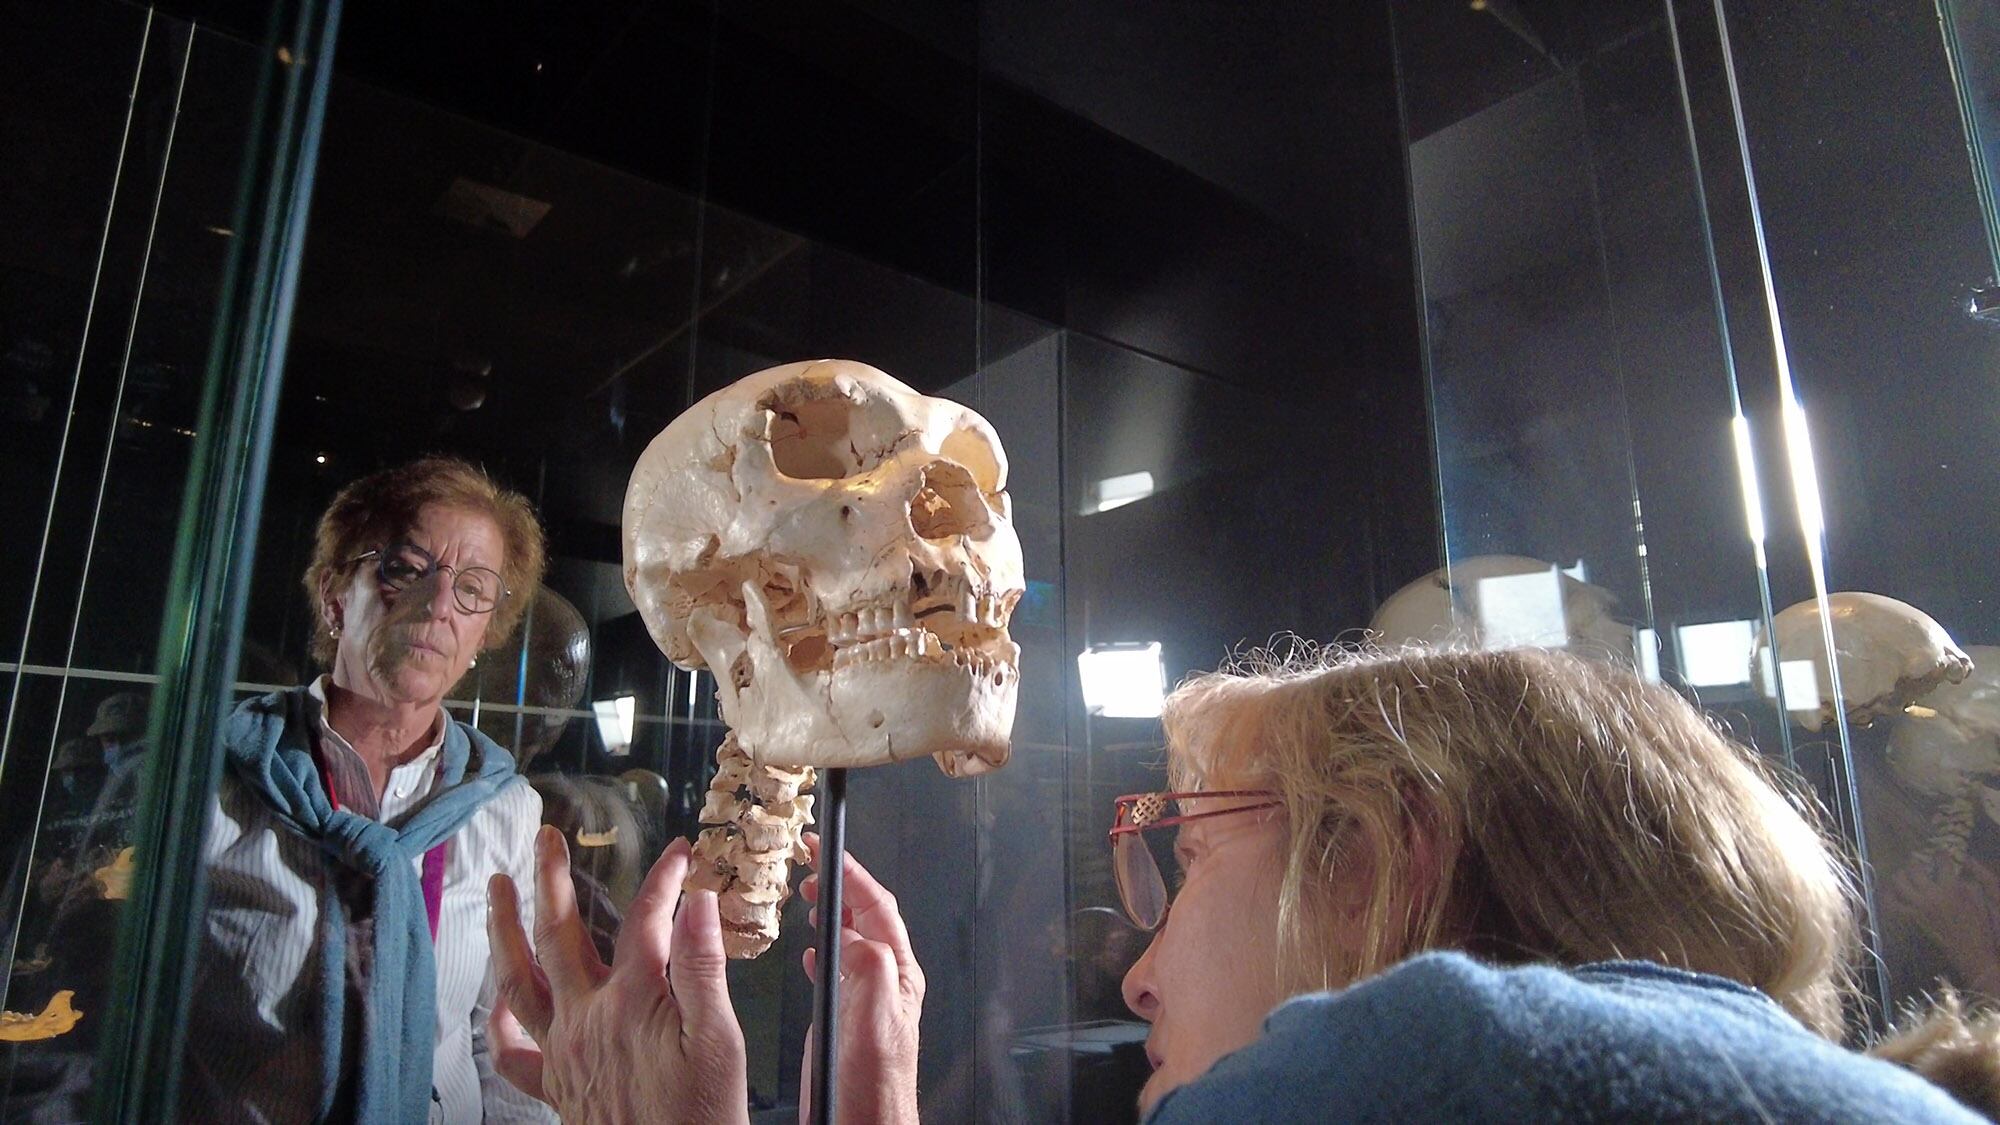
(877, 126)
(560, 210)
(1216, 185)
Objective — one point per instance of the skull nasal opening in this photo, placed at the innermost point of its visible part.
(948, 503)
(813, 440)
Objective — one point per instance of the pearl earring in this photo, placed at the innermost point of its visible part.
(334, 631)
(474, 664)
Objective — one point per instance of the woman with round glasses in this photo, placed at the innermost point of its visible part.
(344, 972)
(1423, 886)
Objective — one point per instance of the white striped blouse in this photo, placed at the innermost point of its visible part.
(253, 1048)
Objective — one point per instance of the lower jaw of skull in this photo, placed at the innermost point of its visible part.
(902, 707)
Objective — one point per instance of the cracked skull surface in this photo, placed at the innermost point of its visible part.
(839, 551)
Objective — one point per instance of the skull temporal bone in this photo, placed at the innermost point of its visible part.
(838, 549)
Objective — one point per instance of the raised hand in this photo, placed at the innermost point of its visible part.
(651, 1037)
(881, 1001)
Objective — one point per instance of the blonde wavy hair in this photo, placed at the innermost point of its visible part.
(1577, 814)
(1571, 812)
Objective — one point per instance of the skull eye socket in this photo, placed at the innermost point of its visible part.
(813, 440)
(948, 504)
(974, 450)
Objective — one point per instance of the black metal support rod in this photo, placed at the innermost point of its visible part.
(826, 991)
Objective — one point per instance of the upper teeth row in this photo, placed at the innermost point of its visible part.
(922, 645)
(873, 622)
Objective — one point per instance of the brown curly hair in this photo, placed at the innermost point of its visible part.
(382, 505)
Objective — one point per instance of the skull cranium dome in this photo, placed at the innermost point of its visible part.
(1488, 601)
(1888, 653)
(838, 549)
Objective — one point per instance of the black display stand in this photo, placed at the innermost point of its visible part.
(826, 990)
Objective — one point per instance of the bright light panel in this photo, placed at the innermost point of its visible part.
(1716, 653)
(1647, 645)
(1118, 491)
(1805, 476)
(1123, 682)
(616, 719)
(1801, 682)
(1522, 609)
(1746, 478)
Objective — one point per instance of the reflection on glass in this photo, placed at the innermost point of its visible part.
(615, 718)
(122, 134)
(1504, 601)
(1118, 491)
(1583, 368)
(1972, 41)
(1711, 653)
(554, 356)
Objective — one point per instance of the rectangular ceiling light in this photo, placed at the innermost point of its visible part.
(1716, 653)
(1118, 491)
(1522, 609)
(1122, 681)
(616, 719)
(1801, 682)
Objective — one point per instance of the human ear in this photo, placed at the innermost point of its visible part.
(1427, 849)
(1410, 829)
(331, 607)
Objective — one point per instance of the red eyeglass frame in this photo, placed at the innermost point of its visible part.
(1135, 805)
(1133, 801)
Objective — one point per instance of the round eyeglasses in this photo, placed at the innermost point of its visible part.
(401, 565)
(1142, 890)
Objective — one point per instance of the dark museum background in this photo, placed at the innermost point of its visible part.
(1358, 288)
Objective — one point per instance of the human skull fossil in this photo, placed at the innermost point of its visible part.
(838, 549)
(1503, 600)
(1889, 654)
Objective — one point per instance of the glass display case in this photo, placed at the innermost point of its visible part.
(152, 165)
(1274, 313)
(1706, 336)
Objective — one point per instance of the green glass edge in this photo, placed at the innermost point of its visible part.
(202, 631)
(1982, 122)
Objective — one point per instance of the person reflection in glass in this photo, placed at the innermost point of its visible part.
(82, 861)
(343, 973)
(92, 798)
(94, 788)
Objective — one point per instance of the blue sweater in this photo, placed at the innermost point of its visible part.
(1444, 1038)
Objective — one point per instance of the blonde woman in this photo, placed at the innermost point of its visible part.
(1429, 886)
(1640, 924)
